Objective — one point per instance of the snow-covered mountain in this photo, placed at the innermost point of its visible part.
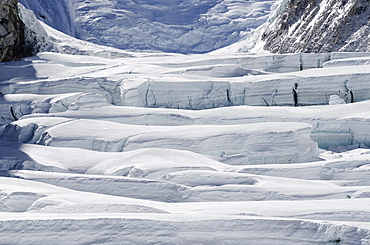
(185, 26)
(59, 13)
(100, 145)
(281, 26)
(319, 27)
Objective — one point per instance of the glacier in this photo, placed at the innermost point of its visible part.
(159, 144)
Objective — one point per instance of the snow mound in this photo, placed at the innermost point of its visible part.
(148, 162)
(17, 201)
(177, 229)
(156, 190)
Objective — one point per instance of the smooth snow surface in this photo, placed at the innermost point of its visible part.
(104, 146)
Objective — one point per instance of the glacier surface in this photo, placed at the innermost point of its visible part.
(100, 145)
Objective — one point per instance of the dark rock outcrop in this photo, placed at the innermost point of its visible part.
(318, 26)
(11, 31)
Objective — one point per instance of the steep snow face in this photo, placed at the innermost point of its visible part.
(174, 26)
(320, 26)
(58, 13)
(185, 26)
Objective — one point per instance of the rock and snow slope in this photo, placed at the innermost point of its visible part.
(320, 26)
(80, 166)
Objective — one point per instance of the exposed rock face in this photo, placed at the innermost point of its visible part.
(317, 26)
(11, 31)
(35, 37)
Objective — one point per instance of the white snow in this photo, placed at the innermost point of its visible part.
(170, 26)
(106, 146)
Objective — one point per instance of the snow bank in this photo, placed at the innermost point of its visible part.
(348, 61)
(237, 144)
(178, 229)
(149, 163)
(350, 168)
(156, 190)
(337, 125)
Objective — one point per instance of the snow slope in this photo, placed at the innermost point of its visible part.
(170, 26)
(104, 146)
(58, 14)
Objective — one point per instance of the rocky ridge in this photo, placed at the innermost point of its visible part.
(319, 26)
(11, 31)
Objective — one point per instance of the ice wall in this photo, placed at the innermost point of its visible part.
(14, 106)
(310, 88)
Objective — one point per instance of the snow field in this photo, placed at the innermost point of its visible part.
(79, 166)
